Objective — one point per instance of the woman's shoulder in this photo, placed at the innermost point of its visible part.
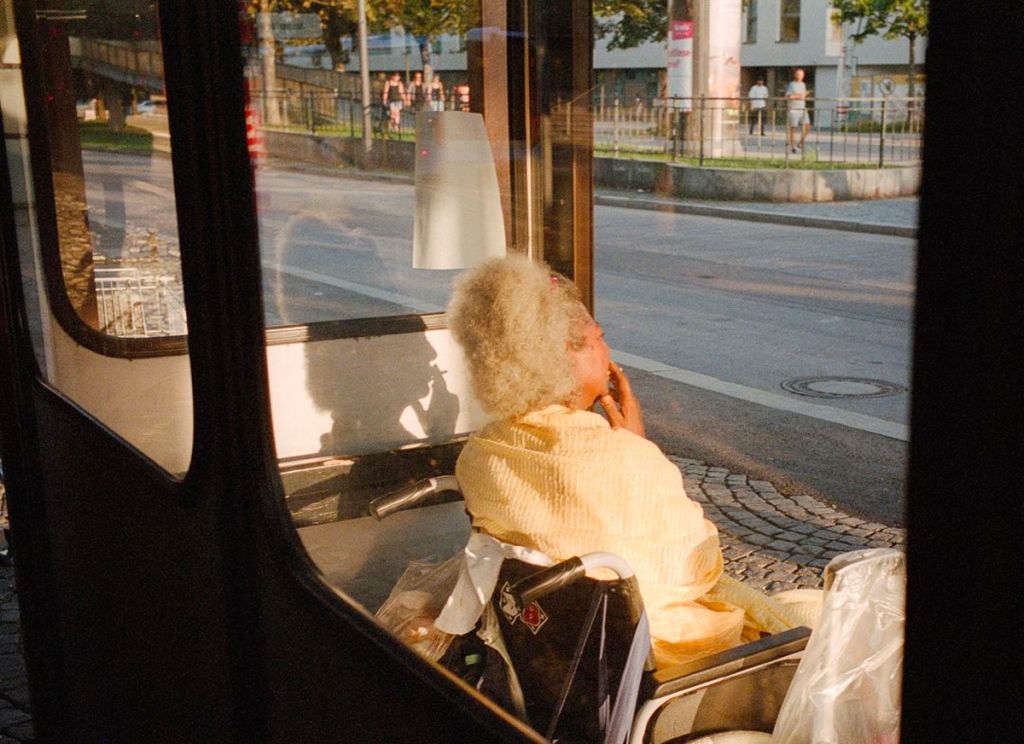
(559, 430)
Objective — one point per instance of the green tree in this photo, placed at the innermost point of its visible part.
(627, 23)
(890, 19)
(425, 20)
(338, 19)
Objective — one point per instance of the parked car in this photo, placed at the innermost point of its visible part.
(86, 110)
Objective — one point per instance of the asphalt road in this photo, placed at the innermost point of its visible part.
(720, 313)
(753, 306)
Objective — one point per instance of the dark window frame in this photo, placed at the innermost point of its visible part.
(750, 21)
(789, 15)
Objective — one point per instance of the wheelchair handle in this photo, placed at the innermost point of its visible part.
(548, 580)
(410, 496)
(568, 571)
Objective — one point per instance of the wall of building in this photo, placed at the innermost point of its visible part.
(639, 71)
(818, 51)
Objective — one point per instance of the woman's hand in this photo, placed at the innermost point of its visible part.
(620, 405)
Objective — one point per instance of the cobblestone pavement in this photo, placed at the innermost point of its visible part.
(775, 542)
(770, 541)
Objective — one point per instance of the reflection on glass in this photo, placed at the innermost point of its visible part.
(336, 217)
(102, 72)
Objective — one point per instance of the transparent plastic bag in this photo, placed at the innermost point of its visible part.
(847, 687)
(415, 602)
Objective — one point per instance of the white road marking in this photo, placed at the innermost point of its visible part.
(764, 398)
(774, 401)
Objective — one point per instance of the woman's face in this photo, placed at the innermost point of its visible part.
(590, 363)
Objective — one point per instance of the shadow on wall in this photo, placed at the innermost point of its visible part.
(351, 396)
(382, 393)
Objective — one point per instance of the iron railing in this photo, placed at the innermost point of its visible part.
(855, 131)
(850, 132)
(135, 302)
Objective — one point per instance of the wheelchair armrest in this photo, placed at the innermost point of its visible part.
(677, 679)
(412, 495)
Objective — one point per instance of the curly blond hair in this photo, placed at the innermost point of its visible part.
(516, 321)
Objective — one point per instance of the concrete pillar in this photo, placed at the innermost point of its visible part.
(717, 74)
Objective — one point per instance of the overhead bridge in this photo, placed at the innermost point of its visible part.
(140, 64)
(136, 63)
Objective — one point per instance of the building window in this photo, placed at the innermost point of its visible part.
(789, 20)
(749, 21)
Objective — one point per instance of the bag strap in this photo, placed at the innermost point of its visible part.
(597, 598)
(621, 719)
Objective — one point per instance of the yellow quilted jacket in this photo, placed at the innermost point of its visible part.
(565, 483)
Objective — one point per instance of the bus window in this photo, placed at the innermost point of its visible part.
(104, 127)
(368, 207)
(89, 152)
(772, 356)
(346, 185)
(12, 106)
(364, 223)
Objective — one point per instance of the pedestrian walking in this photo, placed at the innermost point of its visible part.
(394, 99)
(416, 96)
(435, 93)
(462, 96)
(758, 96)
(796, 113)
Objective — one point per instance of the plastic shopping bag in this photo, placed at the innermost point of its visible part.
(415, 602)
(847, 687)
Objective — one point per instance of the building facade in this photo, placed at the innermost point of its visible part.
(777, 36)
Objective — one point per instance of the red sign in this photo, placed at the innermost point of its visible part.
(682, 30)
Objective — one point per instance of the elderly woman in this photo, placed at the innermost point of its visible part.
(552, 475)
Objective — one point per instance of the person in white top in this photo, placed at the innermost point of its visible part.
(796, 101)
(758, 96)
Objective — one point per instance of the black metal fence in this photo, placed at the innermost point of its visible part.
(329, 113)
(856, 131)
(861, 132)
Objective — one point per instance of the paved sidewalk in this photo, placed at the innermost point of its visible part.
(897, 217)
(775, 542)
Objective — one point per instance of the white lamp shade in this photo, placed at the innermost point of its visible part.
(458, 221)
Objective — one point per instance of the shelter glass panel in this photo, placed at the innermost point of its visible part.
(89, 155)
(374, 172)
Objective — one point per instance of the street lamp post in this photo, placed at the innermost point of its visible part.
(364, 79)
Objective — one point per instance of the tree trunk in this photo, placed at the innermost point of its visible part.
(428, 67)
(912, 68)
(268, 65)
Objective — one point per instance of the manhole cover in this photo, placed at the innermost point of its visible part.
(842, 387)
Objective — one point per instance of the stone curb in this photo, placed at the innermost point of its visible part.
(648, 203)
(775, 542)
(750, 215)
